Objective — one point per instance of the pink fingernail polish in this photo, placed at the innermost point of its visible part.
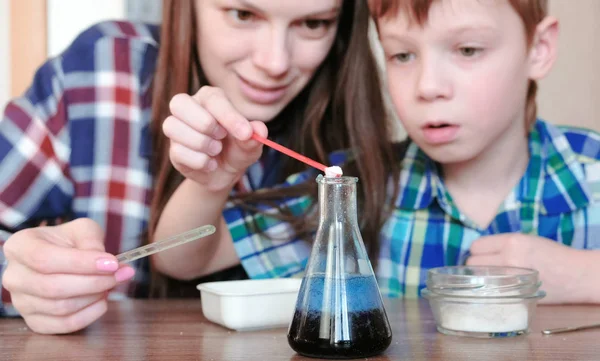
(124, 274)
(107, 264)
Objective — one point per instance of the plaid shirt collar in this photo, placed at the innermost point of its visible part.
(553, 183)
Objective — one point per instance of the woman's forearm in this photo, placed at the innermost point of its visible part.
(192, 206)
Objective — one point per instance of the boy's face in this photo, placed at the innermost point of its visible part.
(459, 82)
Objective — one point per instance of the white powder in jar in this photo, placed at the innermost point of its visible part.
(484, 317)
(333, 172)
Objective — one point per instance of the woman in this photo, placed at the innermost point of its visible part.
(210, 136)
(79, 144)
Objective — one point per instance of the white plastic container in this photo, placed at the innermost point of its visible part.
(250, 304)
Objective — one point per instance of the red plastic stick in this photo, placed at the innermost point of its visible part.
(289, 152)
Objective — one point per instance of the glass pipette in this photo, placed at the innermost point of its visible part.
(171, 242)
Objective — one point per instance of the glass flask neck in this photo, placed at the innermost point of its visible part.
(337, 198)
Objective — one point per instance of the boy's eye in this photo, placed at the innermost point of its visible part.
(403, 57)
(469, 51)
(242, 16)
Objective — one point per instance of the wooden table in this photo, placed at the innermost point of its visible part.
(177, 330)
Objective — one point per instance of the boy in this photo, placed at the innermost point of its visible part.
(482, 176)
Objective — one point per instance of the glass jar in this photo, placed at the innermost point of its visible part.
(483, 301)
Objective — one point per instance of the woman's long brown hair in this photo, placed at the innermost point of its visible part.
(341, 108)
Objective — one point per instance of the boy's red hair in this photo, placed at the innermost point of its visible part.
(532, 12)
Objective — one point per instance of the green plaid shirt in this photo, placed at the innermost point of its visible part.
(557, 198)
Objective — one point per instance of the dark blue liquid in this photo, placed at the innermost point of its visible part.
(331, 326)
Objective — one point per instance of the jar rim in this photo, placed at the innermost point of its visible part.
(481, 280)
(492, 271)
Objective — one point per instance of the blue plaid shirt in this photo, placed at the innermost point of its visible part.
(76, 144)
(558, 198)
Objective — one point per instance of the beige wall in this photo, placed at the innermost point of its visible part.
(571, 93)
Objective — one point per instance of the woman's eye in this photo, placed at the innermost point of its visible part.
(315, 28)
(242, 16)
(469, 51)
(403, 57)
(315, 24)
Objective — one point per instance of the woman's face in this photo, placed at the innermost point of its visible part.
(262, 53)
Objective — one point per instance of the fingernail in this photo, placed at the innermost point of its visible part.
(212, 165)
(219, 132)
(214, 148)
(107, 264)
(124, 274)
(243, 131)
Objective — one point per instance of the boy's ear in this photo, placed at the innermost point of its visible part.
(543, 51)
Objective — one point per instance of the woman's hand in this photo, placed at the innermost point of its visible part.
(210, 140)
(59, 276)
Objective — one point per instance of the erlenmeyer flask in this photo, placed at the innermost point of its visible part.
(339, 312)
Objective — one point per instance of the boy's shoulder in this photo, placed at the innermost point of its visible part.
(584, 142)
(580, 149)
